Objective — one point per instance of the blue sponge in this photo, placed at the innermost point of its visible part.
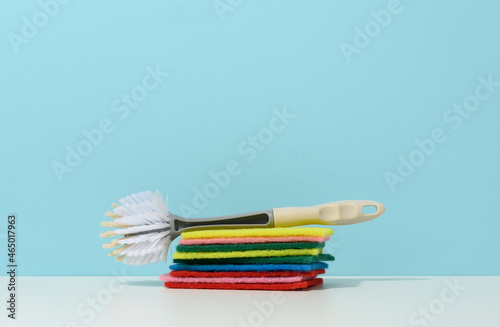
(250, 267)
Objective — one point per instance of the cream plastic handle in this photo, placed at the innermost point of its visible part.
(333, 213)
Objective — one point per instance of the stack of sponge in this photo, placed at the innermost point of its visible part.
(256, 258)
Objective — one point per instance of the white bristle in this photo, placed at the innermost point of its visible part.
(146, 228)
(164, 254)
(156, 256)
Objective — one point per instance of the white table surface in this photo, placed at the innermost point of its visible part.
(341, 301)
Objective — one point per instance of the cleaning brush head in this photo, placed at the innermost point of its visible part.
(142, 222)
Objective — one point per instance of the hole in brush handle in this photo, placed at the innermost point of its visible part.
(260, 219)
(369, 209)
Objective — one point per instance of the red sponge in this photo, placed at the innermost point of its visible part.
(233, 286)
(204, 274)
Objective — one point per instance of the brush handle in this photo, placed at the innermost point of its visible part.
(333, 213)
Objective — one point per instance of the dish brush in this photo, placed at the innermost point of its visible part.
(146, 228)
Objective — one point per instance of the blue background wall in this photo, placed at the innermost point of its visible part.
(357, 116)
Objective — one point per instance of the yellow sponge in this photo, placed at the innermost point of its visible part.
(259, 232)
(246, 254)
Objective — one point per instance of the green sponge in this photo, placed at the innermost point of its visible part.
(249, 247)
(307, 259)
